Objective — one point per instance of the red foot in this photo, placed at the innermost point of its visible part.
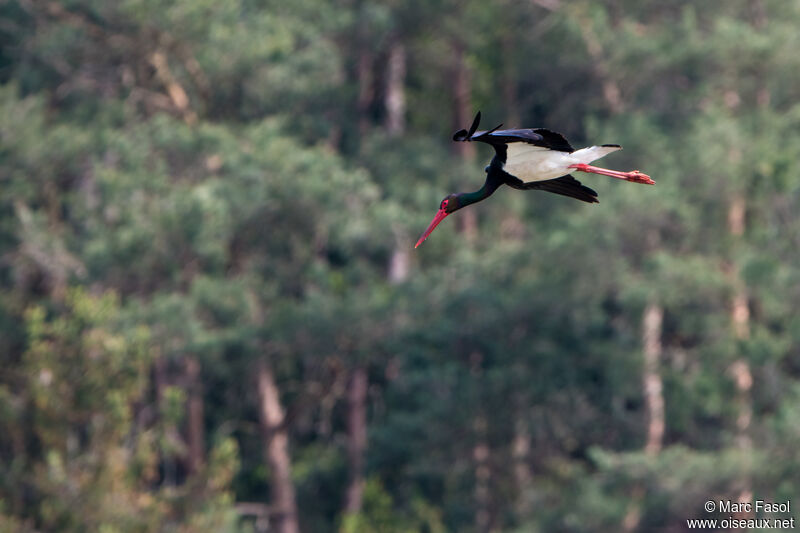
(639, 177)
(635, 176)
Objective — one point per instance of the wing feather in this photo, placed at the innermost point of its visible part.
(565, 186)
(536, 136)
(498, 138)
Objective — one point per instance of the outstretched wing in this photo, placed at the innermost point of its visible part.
(536, 136)
(565, 186)
(498, 138)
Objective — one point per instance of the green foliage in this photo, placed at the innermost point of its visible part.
(380, 514)
(78, 451)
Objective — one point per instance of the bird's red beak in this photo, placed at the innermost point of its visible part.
(432, 226)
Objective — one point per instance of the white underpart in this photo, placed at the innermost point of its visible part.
(534, 163)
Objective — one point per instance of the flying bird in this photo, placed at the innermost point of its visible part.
(527, 159)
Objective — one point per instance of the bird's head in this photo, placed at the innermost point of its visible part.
(450, 204)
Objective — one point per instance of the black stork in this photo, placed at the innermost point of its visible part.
(528, 159)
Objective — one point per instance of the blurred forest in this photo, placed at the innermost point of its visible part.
(212, 317)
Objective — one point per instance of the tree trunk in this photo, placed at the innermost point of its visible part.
(462, 110)
(399, 262)
(395, 97)
(161, 382)
(740, 369)
(365, 89)
(510, 92)
(463, 118)
(653, 386)
(611, 89)
(740, 310)
(194, 419)
(520, 452)
(356, 438)
(175, 91)
(480, 454)
(758, 18)
(276, 450)
(395, 104)
(652, 327)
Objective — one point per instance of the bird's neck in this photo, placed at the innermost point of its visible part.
(491, 185)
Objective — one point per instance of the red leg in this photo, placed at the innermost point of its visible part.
(634, 175)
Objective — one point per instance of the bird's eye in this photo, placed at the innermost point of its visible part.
(444, 204)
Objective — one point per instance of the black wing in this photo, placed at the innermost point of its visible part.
(499, 138)
(565, 186)
(536, 136)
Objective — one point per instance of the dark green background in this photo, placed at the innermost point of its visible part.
(216, 182)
